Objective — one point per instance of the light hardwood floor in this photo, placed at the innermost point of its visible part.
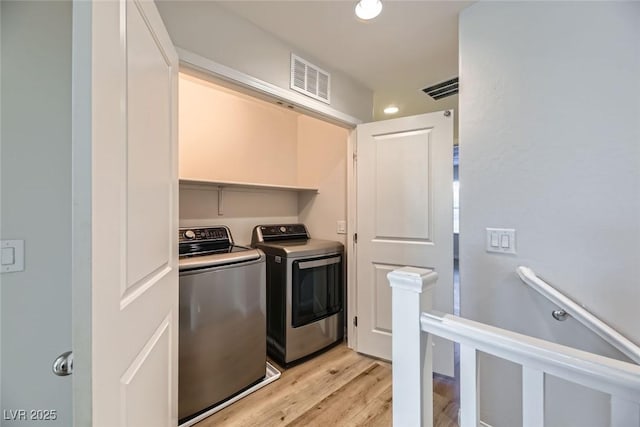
(337, 388)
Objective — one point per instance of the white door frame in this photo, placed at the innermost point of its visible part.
(81, 212)
(352, 247)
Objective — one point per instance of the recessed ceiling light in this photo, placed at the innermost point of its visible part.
(392, 109)
(368, 9)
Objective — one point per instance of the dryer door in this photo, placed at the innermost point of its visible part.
(317, 289)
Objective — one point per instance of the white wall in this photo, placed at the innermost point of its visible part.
(209, 30)
(36, 205)
(550, 146)
(225, 135)
(322, 164)
(243, 209)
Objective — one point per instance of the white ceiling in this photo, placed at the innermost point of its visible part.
(409, 46)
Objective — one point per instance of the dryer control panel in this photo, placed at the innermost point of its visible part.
(272, 232)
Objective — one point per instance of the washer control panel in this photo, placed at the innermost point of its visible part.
(219, 234)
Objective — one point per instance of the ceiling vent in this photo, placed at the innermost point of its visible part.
(443, 89)
(309, 79)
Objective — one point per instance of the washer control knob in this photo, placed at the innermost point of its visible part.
(189, 234)
(283, 229)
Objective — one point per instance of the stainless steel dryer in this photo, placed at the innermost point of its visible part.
(222, 349)
(305, 291)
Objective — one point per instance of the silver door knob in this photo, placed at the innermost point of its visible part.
(63, 365)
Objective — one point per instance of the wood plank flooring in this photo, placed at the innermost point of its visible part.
(337, 388)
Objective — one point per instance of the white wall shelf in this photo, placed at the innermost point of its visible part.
(220, 186)
(250, 185)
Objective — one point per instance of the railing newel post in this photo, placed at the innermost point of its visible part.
(411, 348)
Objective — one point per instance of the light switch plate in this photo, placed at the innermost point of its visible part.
(12, 249)
(8, 256)
(501, 240)
(341, 227)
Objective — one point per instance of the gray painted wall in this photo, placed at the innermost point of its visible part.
(213, 32)
(36, 206)
(550, 146)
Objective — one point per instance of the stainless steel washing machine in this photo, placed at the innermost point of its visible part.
(222, 346)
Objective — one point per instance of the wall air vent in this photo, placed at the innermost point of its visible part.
(309, 79)
(443, 89)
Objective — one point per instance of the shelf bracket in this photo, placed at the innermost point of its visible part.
(220, 201)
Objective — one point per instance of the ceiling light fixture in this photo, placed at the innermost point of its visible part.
(392, 109)
(368, 9)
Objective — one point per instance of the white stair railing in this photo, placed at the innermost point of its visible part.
(581, 314)
(412, 361)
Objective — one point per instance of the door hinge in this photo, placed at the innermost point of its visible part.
(355, 321)
(355, 238)
(355, 157)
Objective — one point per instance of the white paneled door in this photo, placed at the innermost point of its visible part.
(404, 204)
(134, 216)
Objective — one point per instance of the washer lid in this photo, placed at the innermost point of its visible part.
(233, 255)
